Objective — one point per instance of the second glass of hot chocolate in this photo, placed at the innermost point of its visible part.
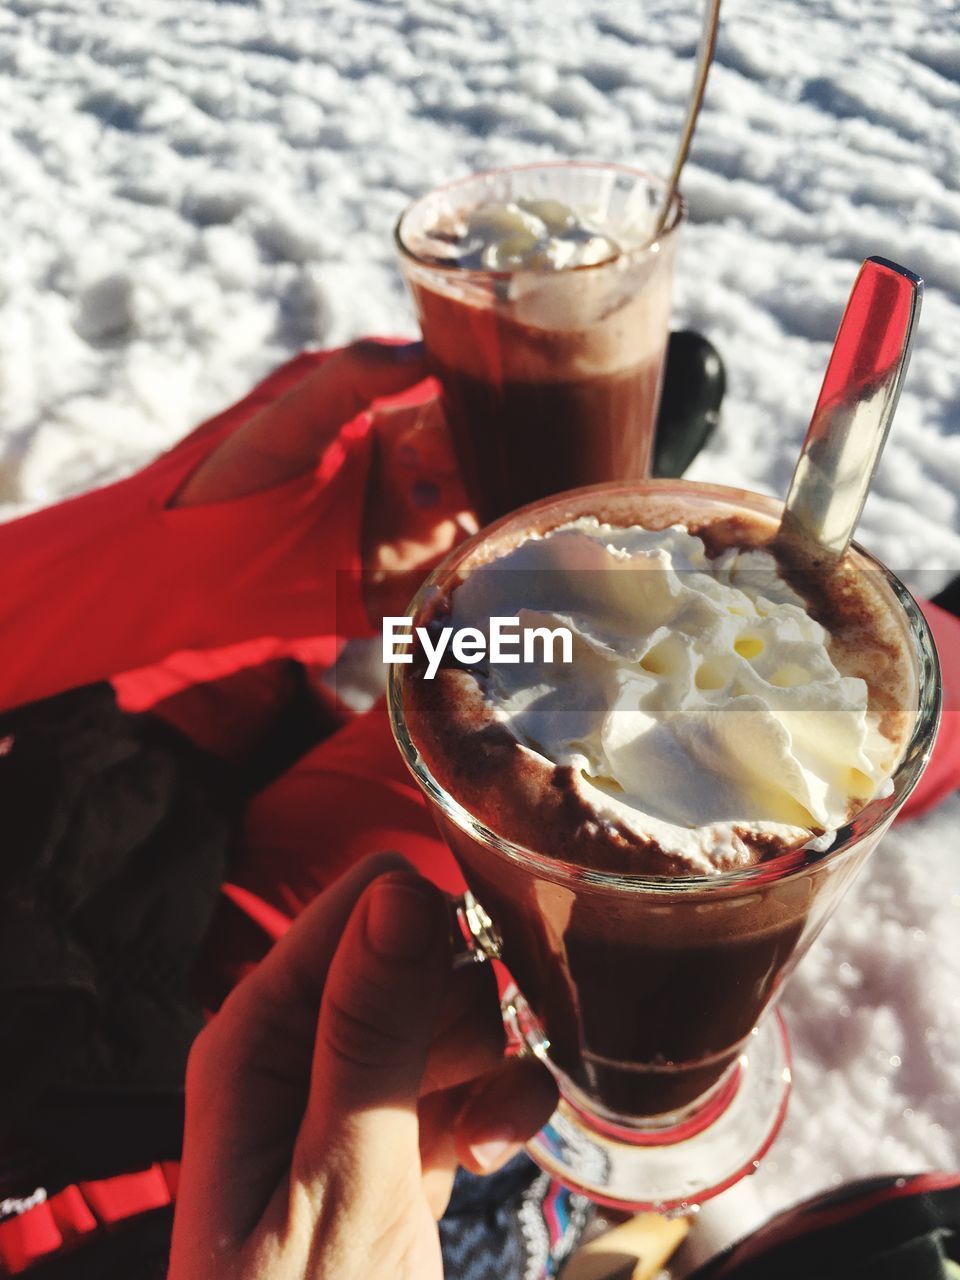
(654, 832)
(544, 301)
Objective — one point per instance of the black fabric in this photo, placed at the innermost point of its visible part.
(86, 1136)
(114, 843)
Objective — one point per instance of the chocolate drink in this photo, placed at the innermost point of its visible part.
(642, 1013)
(546, 324)
(648, 944)
(517, 440)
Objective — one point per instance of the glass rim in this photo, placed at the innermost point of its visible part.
(677, 216)
(845, 840)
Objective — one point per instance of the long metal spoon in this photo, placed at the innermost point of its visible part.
(708, 42)
(856, 406)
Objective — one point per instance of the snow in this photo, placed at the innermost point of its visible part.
(191, 191)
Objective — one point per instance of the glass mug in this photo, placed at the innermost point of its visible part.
(646, 995)
(549, 378)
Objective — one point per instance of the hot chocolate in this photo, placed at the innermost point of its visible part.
(726, 706)
(546, 321)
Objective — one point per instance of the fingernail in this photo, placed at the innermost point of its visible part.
(403, 920)
(490, 1152)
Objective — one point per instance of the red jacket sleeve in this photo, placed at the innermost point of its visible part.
(116, 579)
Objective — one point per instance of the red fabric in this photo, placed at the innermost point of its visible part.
(116, 580)
(73, 1215)
(348, 797)
(113, 1199)
(25, 1239)
(77, 1211)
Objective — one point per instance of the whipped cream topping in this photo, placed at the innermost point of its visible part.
(533, 235)
(702, 709)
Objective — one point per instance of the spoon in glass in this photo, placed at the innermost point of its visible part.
(856, 405)
(708, 42)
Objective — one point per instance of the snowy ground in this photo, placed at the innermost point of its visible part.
(190, 191)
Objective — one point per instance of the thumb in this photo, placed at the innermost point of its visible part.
(381, 1006)
(287, 437)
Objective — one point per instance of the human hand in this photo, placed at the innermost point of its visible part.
(330, 1100)
(415, 508)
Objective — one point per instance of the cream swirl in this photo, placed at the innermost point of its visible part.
(702, 708)
(528, 235)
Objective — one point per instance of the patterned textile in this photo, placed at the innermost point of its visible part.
(513, 1225)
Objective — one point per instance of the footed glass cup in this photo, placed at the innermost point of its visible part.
(649, 997)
